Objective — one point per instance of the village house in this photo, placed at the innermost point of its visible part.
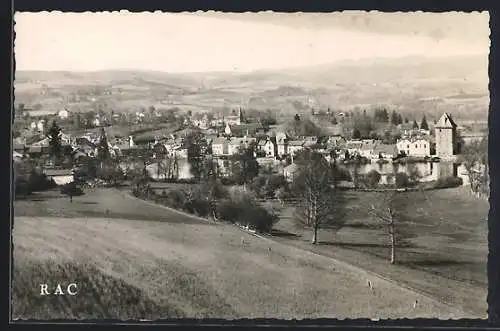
(334, 141)
(295, 146)
(236, 144)
(59, 176)
(220, 146)
(282, 144)
(267, 147)
(385, 151)
(353, 147)
(367, 148)
(289, 172)
(37, 114)
(414, 146)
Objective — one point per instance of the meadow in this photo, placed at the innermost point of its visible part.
(163, 264)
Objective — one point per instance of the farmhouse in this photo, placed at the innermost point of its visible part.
(59, 176)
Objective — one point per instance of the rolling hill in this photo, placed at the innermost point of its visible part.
(411, 84)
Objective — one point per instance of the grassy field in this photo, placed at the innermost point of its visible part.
(176, 266)
(444, 254)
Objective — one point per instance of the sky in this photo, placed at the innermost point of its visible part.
(211, 41)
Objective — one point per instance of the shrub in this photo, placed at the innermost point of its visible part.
(39, 182)
(448, 182)
(402, 180)
(71, 190)
(373, 178)
(246, 212)
(176, 199)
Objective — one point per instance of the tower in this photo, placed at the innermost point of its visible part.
(446, 136)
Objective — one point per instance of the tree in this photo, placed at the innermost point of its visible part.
(334, 121)
(356, 134)
(415, 125)
(394, 118)
(55, 146)
(196, 148)
(391, 208)
(423, 124)
(296, 117)
(103, 154)
(244, 165)
(474, 157)
(407, 120)
(322, 203)
(71, 190)
(373, 178)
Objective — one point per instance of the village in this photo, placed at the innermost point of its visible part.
(274, 146)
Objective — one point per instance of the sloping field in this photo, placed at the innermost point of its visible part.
(191, 270)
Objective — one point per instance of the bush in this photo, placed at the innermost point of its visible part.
(373, 178)
(40, 182)
(402, 180)
(71, 190)
(448, 182)
(246, 212)
(176, 199)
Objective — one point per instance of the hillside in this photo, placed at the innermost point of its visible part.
(412, 84)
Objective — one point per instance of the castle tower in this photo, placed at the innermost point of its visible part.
(446, 136)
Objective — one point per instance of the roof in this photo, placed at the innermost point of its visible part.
(296, 143)
(413, 139)
(385, 148)
(239, 141)
(354, 144)
(219, 140)
(369, 145)
(446, 122)
(41, 112)
(58, 172)
(263, 142)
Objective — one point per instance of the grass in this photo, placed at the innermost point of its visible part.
(444, 254)
(100, 296)
(189, 269)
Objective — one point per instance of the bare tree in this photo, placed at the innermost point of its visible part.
(315, 187)
(390, 208)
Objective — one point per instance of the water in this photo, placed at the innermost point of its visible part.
(427, 171)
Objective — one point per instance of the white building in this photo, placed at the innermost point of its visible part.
(295, 145)
(220, 146)
(416, 146)
(267, 147)
(282, 144)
